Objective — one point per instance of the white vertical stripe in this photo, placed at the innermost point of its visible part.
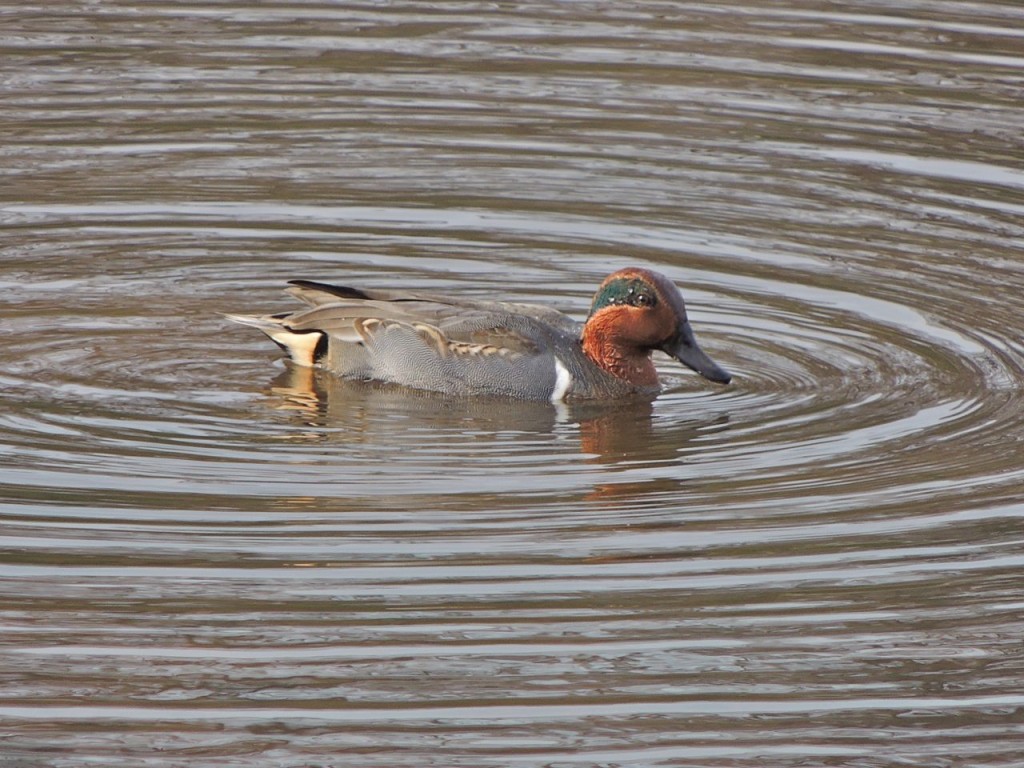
(563, 382)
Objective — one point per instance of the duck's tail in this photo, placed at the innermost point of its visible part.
(302, 347)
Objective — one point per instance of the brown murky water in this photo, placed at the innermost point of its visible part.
(205, 562)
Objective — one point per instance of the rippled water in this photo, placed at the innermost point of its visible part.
(209, 560)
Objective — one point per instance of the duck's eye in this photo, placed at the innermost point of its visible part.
(642, 300)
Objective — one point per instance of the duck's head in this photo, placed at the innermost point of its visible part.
(634, 312)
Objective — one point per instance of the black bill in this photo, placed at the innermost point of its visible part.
(684, 348)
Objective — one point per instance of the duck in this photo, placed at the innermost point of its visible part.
(468, 347)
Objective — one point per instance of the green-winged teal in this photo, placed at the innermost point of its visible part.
(465, 347)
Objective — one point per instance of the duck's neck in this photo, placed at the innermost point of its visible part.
(624, 361)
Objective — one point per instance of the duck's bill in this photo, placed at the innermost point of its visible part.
(684, 348)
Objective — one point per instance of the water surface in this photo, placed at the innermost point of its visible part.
(208, 559)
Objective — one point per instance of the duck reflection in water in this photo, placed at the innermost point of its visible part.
(621, 436)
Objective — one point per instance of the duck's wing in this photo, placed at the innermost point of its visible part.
(445, 328)
(318, 294)
(352, 330)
